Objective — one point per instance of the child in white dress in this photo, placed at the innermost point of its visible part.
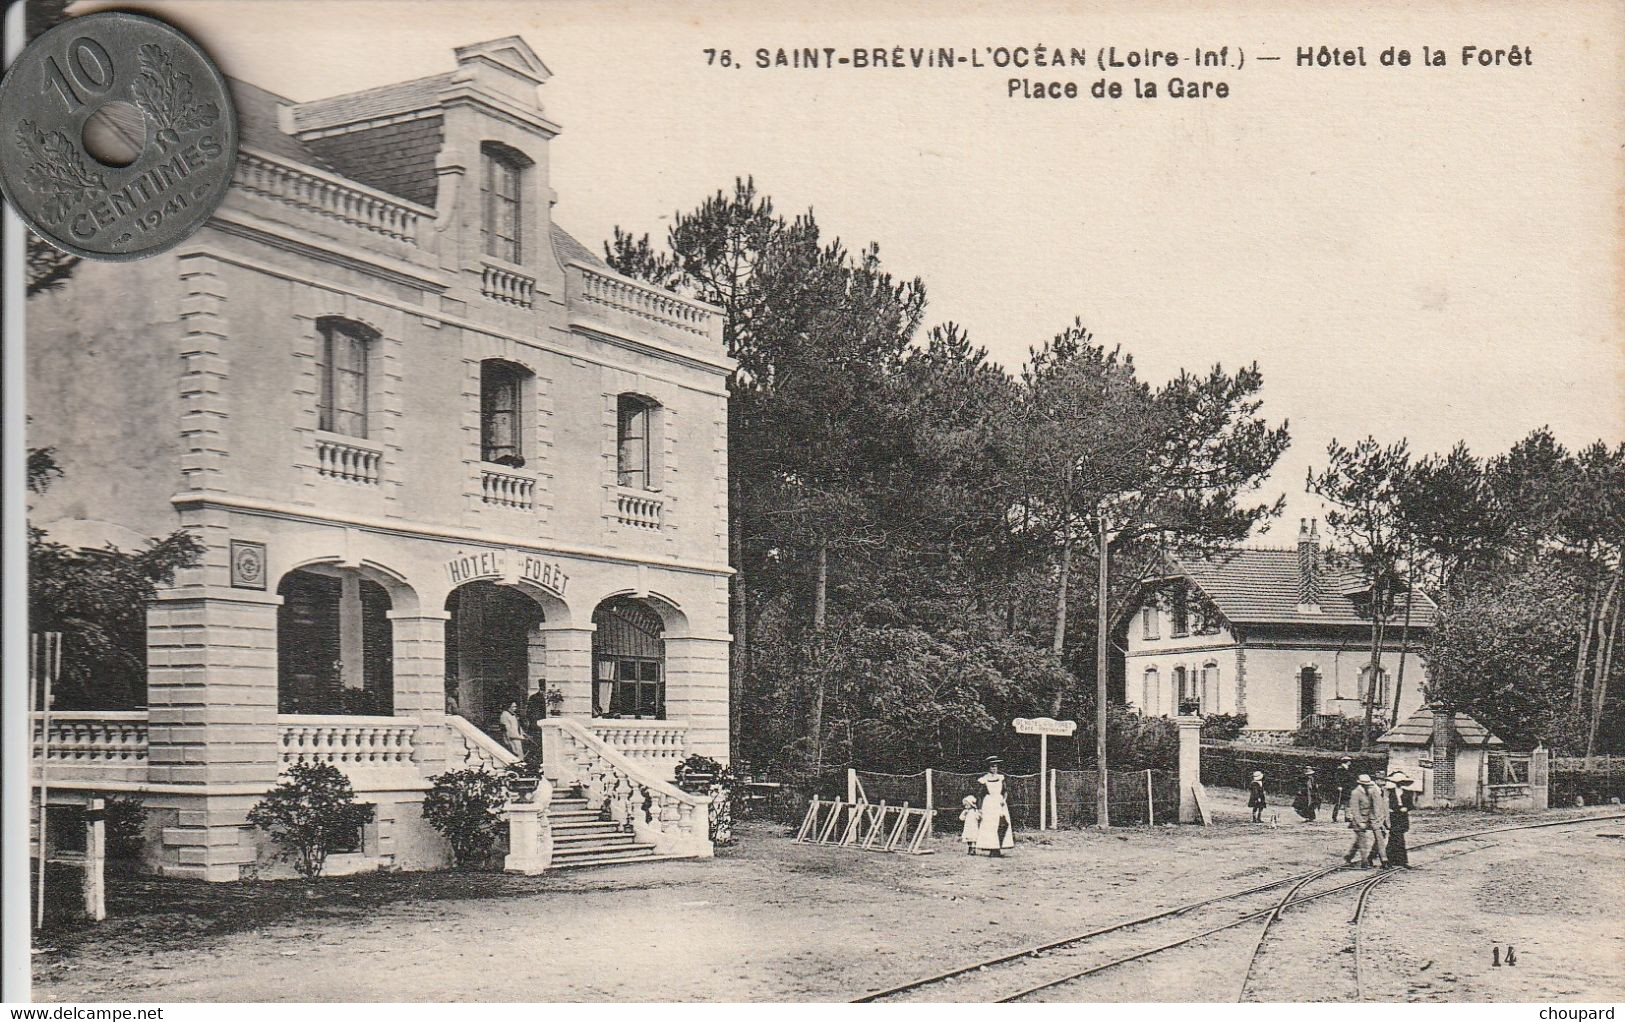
(971, 818)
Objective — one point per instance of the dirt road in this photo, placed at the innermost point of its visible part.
(772, 920)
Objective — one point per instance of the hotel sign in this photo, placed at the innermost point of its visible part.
(508, 567)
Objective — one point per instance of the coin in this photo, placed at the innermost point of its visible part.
(148, 98)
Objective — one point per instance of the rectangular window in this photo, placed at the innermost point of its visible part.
(499, 195)
(342, 371)
(500, 432)
(639, 691)
(1181, 615)
(1148, 622)
(632, 443)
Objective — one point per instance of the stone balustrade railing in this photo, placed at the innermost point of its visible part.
(329, 196)
(504, 285)
(661, 743)
(631, 793)
(602, 299)
(506, 487)
(347, 742)
(349, 459)
(638, 509)
(93, 736)
(473, 749)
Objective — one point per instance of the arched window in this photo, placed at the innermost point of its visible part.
(629, 660)
(342, 369)
(1153, 691)
(502, 434)
(335, 644)
(501, 210)
(1210, 687)
(634, 442)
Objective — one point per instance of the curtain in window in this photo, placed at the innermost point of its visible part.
(632, 443)
(342, 403)
(499, 415)
(499, 192)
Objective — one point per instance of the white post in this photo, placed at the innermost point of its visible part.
(96, 860)
(851, 785)
(1150, 805)
(930, 799)
(1043, 772)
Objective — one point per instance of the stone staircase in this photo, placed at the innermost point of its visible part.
(582, 837)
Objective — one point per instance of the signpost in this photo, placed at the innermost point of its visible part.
(1043, 727)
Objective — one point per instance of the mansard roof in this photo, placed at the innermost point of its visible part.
(1252, 585)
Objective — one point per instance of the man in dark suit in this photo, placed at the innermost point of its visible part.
(1344, 780)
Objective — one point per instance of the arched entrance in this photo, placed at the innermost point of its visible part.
(335, 643)
(629, 660)
(495, 650)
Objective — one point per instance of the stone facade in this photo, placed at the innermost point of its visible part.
(193, 390)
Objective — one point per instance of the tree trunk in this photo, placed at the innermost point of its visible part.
(1375, 665)
(1582, 655)
(1605, 662)
(820, 609)
(1102, 789)
(1404, 640)
(739, 623)
(1058, 646)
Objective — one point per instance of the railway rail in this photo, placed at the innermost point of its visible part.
(1010, 976)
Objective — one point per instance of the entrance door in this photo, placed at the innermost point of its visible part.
(1308, 693)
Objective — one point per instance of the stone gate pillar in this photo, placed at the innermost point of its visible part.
(1190, 766)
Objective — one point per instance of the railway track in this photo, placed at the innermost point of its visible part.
(1023, 973)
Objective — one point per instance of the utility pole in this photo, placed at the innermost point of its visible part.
(1102, 811)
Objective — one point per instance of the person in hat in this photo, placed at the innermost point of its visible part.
(1401, 792)
(1308, 796)
(970, 821)
(1255, 796)
(994, 832)
(1343, 778)
(1368, 818)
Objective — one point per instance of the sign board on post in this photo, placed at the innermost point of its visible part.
(1043, 727)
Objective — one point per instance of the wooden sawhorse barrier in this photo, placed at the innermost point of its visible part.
(872, 826)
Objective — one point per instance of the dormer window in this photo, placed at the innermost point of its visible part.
(500, 207)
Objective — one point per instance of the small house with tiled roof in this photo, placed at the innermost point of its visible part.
(1279, 635)
(1449, 756)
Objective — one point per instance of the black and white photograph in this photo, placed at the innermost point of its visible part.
(587, 502)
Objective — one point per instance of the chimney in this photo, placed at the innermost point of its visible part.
(1308, 566)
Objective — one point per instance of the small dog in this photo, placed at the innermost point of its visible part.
(1275, 821)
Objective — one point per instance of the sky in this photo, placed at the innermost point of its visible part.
(1431, 253)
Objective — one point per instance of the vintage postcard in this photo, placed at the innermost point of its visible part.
(583, 501)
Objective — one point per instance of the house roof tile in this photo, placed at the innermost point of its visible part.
(1417, 729)
(1260, 586)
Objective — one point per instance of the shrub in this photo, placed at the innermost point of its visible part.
(703, 775)
(1340, 734)
(311, 814)
(126, 827)
(465, 806)
(1223, 727)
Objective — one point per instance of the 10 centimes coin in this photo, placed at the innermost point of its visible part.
(158, 114)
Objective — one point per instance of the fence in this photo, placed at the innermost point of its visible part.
(1571, 779)
(1231, 765)
(1134, 796)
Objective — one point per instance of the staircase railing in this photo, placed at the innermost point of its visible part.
(478, 748)
(634, 794)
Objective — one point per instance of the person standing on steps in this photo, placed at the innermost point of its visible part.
(1368, 819)
(1344, 780)
(995, 832)
(1401, 792)
(1255, 796)
(512, 736)
(1308, 797)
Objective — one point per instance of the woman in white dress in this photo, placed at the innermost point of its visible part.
(996, 832)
